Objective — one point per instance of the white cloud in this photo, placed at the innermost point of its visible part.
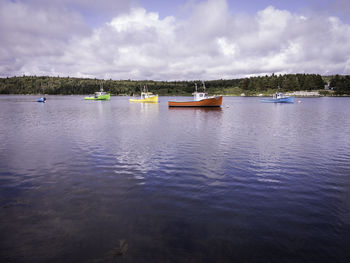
(228, 49)
(210, 43)
(28, 33)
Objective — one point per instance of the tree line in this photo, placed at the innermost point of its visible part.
(249, 86)
(340, 84)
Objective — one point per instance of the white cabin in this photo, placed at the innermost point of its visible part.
(145, 95)
(278, 95)
(197, 96)
(101, 92)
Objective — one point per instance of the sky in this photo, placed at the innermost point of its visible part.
(173, 40)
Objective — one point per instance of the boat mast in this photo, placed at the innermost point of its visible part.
(144, 92)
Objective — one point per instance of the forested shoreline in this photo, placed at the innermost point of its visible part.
(338, 85)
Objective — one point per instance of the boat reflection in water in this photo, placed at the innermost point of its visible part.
(198, 109)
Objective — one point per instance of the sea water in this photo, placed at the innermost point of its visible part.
(114, 181)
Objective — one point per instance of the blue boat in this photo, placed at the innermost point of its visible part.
(43, 99)
(279, 98)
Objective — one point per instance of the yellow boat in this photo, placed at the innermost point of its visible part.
(146, 96)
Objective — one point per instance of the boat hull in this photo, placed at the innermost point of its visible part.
(102, 97)
(280, 100)
(210, 102)
(153, 99)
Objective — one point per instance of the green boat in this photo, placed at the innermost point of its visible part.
(99, 95)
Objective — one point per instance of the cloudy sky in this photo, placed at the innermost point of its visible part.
(173, 40)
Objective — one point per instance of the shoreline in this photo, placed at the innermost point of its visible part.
(170, 95)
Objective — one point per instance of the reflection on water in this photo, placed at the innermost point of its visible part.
(109, 181)
(147, 108)
(200, 109)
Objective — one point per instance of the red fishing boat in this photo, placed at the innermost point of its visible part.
(200, 99)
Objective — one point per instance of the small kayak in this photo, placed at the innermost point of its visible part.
(43, 99)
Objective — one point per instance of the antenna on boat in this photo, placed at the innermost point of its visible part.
(195, 85)
(203, 85)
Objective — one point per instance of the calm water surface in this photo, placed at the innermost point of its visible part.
(112, 181)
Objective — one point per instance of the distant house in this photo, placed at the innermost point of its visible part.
(326, 87)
